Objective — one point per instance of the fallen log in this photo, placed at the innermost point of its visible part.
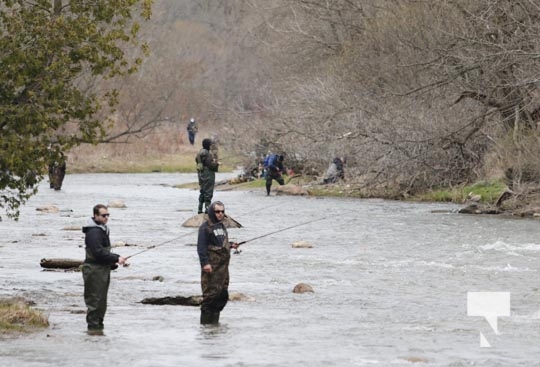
(60, 263)
(178, 300)
(191, 300)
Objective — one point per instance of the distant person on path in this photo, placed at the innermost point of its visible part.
(335, 171)
(207, 166)
(213, 248)
(57, 171)
(192, 130)
(273, 165)
(97, 266)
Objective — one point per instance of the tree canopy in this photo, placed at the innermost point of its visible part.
(52, 53)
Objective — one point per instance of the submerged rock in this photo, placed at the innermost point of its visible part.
(116, 203)
(301, 244)
(237, 296)
(48, 209)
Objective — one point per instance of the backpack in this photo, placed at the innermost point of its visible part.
(269, 160)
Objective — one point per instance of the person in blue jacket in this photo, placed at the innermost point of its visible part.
(273, 164)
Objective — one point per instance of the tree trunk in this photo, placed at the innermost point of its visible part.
(60, 263)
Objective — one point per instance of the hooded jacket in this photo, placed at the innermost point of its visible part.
(205, 159)
(211, 233)
(98, 244)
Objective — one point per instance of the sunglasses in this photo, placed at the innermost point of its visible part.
(219, 211)
(104, 215)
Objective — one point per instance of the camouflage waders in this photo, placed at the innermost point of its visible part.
(207, 166)
(96, 285)
(215, 285)
(207, 180)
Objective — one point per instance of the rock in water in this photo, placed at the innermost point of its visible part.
(198, 219)
(301, 244)
(303, 288)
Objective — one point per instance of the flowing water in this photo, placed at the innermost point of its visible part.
(390, 281)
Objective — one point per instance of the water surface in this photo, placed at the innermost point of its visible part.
(390, 280)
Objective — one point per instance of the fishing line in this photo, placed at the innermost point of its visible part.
(189, 233)
(282, 230)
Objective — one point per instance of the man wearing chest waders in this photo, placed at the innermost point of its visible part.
(97, 266)
(213, 247)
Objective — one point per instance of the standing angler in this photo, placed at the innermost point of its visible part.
(192, 130)
(207, 166)
(97, 266)
(213, 247)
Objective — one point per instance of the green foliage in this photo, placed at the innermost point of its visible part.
(488, 191)
(51, 52)
(441, 195)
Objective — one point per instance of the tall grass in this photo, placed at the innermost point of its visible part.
(164, 150)
(16, 315)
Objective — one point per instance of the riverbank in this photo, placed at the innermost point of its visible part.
(479, 198)
(484, 197)
(418, 258)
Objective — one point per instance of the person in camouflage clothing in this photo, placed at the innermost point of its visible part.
(97, 266)
(207, 166)
(213, 248)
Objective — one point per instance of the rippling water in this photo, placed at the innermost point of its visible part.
(390, 280)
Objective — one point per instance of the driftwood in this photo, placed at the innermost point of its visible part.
(60, 263)
(191, 300)
(178, 300)
(198, 219)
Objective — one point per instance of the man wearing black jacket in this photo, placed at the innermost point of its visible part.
(97, 267)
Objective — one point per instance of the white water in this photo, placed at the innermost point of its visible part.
(390, 280)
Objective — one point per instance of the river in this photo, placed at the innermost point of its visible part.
(390, 279)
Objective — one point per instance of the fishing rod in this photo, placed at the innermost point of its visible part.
(184, 235)
(158, 245)
(281, 230)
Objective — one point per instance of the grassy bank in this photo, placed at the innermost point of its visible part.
(96, 161)
(17, 316)
(163, 150)
(134, 164)
(175, 156)
(488, 191)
